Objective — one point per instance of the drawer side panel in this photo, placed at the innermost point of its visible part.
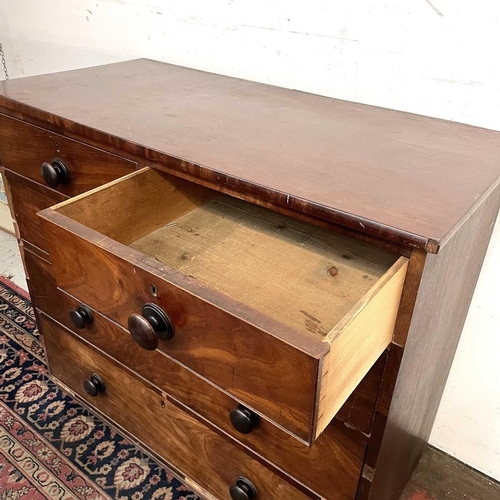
(357, 343)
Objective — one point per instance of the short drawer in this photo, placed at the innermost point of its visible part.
(25, 147)
(26, 198)
(283, 315)
(209, 459)
(331, 466)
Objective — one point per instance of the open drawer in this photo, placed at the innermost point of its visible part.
(285, 316)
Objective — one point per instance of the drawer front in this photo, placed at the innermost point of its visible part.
(43, 288)
(331, 466)
(26, 198)
(191, 447)
(243, 360)
(24, 147)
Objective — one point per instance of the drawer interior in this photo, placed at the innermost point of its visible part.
(304, 276)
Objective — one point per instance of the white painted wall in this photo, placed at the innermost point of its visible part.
(434, 57)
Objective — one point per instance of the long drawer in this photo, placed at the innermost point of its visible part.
(25, 147)
(191, 447)
(286, 317)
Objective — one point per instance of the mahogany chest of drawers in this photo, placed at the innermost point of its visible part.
(263, 288)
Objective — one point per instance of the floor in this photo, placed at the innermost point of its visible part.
(441, 477)
(438, 476)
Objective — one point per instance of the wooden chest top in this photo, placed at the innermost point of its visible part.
(399, 176)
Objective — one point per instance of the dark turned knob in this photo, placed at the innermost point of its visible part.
(153, 325)
(243, 490)
(81, 316)
(94, 385)
(54, 173)
(244, 420)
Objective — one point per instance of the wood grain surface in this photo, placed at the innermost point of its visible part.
(234, 256)
(330, 467)
(357, 412)
(404, 182)
(306, 277)
(26, 198)
(8, 194)
(43, 287)
(302, 275)
(135, 205)
(404, 177)
(24, 147)
(158, 423)
(443, 300)
(358, 341)
(235, 350)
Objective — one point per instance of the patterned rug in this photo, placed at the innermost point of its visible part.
(50, 446)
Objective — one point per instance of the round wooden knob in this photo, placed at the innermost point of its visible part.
(243, 490)
(244, 420)
(94, 385)
(54, 173)
(81, 317)
(142, 332)
(153, 325)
